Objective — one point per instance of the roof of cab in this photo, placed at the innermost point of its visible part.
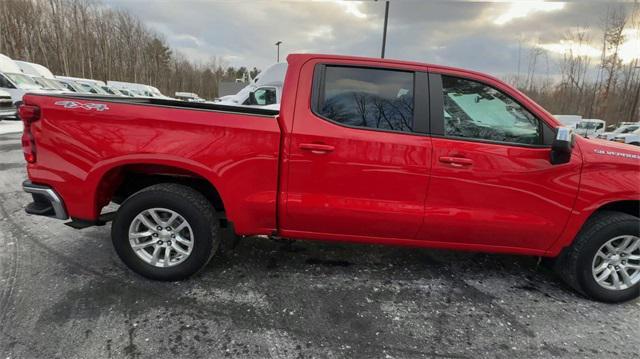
(306, 57)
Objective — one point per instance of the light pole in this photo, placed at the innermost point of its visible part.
(384, 31)
(278, 54)
(634, 109)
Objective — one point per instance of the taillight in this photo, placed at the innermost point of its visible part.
(28, 114)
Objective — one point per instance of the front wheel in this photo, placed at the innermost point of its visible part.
(604, 261)
(166, 232)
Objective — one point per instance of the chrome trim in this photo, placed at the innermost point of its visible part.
(51, 195)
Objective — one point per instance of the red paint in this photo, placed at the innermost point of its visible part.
(301, 176)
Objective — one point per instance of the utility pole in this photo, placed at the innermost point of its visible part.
(278, 54)
(384, 31)
(634, 109)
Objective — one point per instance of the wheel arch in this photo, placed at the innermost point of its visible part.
(118, 180)
(575, 225)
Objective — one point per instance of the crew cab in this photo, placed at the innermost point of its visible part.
(361, 150)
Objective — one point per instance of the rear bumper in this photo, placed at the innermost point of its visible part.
(46, 202)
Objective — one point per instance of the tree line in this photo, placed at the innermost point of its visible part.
(606, 88)
(81, 38)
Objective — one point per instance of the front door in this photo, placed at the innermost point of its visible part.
(491, 182)
(357, 164)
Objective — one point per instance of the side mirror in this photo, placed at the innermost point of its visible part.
(562, 146)
(252, 98)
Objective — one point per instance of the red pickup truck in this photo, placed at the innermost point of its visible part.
(361, 150)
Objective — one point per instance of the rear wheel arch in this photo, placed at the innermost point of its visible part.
(120, 182)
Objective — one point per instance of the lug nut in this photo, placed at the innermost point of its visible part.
(168, 228)
(624, 262)
(173, 236)
(155, 234)
(168, 243)
(617, 268)
(159, 228)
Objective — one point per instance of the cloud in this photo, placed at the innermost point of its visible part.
(522, 9)
(485, 36)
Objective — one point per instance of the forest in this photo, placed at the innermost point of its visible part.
(82, 38)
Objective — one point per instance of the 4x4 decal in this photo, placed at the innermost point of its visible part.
(86, 106)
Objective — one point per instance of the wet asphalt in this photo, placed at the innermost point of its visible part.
(65, 294)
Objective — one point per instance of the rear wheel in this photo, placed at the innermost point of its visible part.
(166, 232)
(604, 261)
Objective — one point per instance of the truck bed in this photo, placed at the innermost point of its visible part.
(84, 142)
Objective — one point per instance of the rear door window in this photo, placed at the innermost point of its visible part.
(368, 98)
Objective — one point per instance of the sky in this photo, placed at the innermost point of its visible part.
(483, 36)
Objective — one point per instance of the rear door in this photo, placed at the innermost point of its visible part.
(359, 156)
(492, 183)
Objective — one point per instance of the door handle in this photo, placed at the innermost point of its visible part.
(456, 161)
(318, 148)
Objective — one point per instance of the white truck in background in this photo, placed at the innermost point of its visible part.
(263, 91)
(590, 127)
(569, 120)
(14, 81)
(42, 76)
(138, 90)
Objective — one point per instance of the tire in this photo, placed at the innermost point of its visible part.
(201, 232)
(577, 263)
(635, 143)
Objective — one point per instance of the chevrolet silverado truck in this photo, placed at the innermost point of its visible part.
(361, 150)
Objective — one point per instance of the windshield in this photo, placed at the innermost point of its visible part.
(70, 86)
(111, 90)
(49, 84)
(589, 125)
(23, 81)
(93, 89)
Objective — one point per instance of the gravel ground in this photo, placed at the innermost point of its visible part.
(65, 294)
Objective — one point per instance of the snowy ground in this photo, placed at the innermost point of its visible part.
(7, 126)
(65, 294)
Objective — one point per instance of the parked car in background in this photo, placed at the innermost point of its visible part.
(14, 81)
(88, 85)
(569, 120)
(7, 107)
(138, 90)
(590, 127)
(629, 127)
(264, 90)
(73, 86)
(42, 76)
(366, 150)
(632, 138)
(189, 96)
